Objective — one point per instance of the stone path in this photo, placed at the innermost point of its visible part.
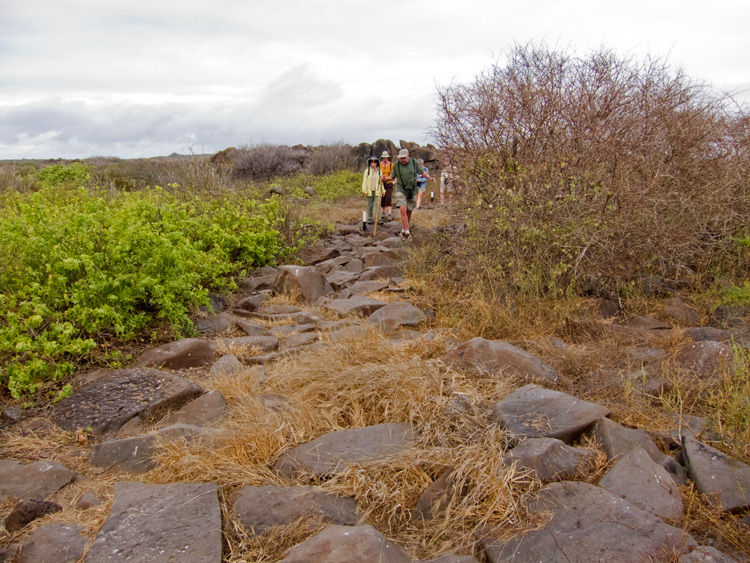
(125, 417)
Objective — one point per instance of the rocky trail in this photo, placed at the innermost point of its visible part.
(114, 472)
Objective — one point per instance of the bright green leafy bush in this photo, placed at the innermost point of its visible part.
(79, 267)
(344, 183)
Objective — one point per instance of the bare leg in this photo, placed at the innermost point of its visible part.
(442, 197)
(419, 199)
(405, 216)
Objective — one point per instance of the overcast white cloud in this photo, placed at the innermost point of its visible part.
(143, 78)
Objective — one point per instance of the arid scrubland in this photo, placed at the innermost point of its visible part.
(583, 182)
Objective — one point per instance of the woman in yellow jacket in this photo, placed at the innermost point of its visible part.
(372, 186)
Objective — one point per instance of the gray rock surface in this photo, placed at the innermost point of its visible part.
(618, 440)
(536, 412)
(26, 511)
(355, 305)
(306, 280)
(589, 524)
(717, 475)
(110, 401)
(347, 544)
(53, 543)
(160, 524)
(228, 364)
(136, 454)
(704, 359)
(706, 554)
(34, 480)
(550, 458)
(335, 451)
(396, 315)
(181, 354)
(645, 483)
(261, 508)
(362, 288)
(493, 357)
(203, 411)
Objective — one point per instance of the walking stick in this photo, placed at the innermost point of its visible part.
(377, 213)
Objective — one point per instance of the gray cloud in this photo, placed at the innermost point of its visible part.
(145, 78)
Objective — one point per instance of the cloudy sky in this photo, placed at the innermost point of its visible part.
(139, 78)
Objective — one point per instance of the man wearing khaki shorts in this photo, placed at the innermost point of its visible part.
(405, 174)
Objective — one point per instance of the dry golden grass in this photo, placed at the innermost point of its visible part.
(360, 382)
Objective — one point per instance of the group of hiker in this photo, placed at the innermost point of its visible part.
(406, 176)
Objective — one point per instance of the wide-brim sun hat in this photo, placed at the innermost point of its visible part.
(385, 155)
(403, 153)
(373, 159)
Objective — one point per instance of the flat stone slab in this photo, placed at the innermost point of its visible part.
(617, 440)
(243, 346)
(310, 283)
(228, 364)
(550, 458)
(333, 452)
(34, 480)
(261, 508)
(536, 412)
(362, 288)
(110, 401)
(160, 524)
(53, 543)
(717, 475)
(181, 354)
(493, 357)
(356, 305)
(339, 279)
(203, 411)
(645, 483)
(704, 359)
(347, 544)
(589, 524)
(395, 315)
(136, 453)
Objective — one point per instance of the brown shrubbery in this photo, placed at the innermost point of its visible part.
(588, 172)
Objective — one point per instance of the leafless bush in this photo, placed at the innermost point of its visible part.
(325, 159)
(264, 161)
(598, 167)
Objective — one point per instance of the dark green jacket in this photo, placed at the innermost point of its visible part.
(406, 174)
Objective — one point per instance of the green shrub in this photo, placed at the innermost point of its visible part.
(80, 267)
(344, 183)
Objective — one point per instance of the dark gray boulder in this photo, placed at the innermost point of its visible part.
(53, 543)
(645, 483)
(181, 354)
(549, 458)
(589, 524)
(396, 315)
(261, 508)
(535, 412)
(110, 401)
(347, 544)
(717, 475)
(34, 480)
(494, 358)
(305, 280)
(160, 524)
(333, 452)
(617, 440)
(136, 453)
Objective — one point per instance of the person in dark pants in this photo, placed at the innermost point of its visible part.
(386, 169)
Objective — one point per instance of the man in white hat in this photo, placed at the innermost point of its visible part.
(405, 174)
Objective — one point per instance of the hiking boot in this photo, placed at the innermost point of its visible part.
(405, 234)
